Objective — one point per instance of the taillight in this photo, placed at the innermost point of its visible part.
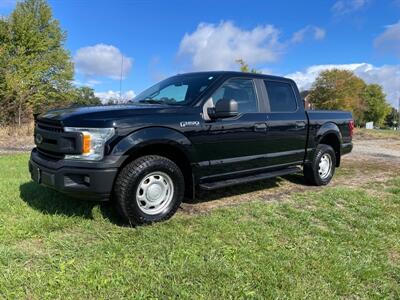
(351, 127)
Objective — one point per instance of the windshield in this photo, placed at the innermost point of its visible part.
(180, 89)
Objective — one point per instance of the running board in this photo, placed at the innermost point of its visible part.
(229, 182)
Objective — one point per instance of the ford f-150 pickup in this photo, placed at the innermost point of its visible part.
(205, 130)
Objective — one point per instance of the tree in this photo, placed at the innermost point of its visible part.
(339, 89)
(377, 107)
(35, 70)
(85, 96)
(244, 67)
(392, 119)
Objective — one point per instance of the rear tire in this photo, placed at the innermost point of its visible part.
(149, 189)
(320, 171)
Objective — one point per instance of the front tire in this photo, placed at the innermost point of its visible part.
(149, 189)
(320, 171)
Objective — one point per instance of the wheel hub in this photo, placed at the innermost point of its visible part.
(325, 166)
(155, 193)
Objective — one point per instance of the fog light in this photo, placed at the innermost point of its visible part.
(86, 179)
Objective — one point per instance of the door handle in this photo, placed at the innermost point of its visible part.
(260, 127)
(300, 124)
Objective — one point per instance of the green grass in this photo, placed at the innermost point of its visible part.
(336, 243)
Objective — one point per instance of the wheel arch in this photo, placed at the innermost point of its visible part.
(163, 142)
(330, 134)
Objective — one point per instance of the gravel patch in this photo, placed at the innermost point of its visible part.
(378, 148)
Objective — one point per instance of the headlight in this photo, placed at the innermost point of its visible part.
(93, 142)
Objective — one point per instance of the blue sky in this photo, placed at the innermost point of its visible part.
(292, 38)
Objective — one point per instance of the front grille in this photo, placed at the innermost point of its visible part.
(50, 127)
(49, 130)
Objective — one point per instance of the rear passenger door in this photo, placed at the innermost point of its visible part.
(287, 123)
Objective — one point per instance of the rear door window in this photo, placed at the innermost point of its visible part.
(281, 96)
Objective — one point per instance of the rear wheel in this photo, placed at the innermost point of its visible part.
(320, 171)
(149, 189)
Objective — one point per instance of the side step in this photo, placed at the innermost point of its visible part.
(229, 182)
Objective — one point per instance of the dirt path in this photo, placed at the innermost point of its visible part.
(15, 144)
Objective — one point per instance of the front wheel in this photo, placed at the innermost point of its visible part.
(320, 171)
(149, 189)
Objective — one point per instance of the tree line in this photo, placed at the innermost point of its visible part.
(36, 71)
(342, 89)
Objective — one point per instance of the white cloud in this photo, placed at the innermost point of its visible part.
(106, 96)
(92, 82)
(318, 33)
(89, 83)
(388, 76)
(343, 7)
(102, 60)
(217, 47)
(389, 40)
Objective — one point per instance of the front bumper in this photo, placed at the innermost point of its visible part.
(85, 181)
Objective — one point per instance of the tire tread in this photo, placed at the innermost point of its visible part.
(123, 186)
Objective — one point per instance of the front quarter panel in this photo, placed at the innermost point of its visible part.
(154, 135)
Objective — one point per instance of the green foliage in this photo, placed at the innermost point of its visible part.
(377, 107)
(85, 96)
(341, 89)
(392, 119)
(244, 67)
(36, 71)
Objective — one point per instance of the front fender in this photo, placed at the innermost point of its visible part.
(151, 136)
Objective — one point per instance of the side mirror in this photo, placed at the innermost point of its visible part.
(224, 108)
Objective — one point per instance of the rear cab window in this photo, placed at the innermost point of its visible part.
(281, 96)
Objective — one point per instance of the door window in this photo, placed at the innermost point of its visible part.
(242, 91)
(281, 96)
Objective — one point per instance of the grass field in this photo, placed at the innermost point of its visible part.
(337, 242)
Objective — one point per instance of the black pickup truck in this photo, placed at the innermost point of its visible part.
(205, 130)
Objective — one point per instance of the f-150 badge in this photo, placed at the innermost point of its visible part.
(189, 123)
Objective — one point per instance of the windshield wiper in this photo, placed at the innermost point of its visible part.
(151, 101)
(158, 101)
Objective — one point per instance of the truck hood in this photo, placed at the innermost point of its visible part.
(104, 116)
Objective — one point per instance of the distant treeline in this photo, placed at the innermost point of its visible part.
(342, 89)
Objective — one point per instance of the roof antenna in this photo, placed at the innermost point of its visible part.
(120, 79)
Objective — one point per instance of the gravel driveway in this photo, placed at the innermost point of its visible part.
(386, 149)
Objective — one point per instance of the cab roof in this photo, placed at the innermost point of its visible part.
(238, 74)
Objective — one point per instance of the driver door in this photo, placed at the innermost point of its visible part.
(231, 146)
